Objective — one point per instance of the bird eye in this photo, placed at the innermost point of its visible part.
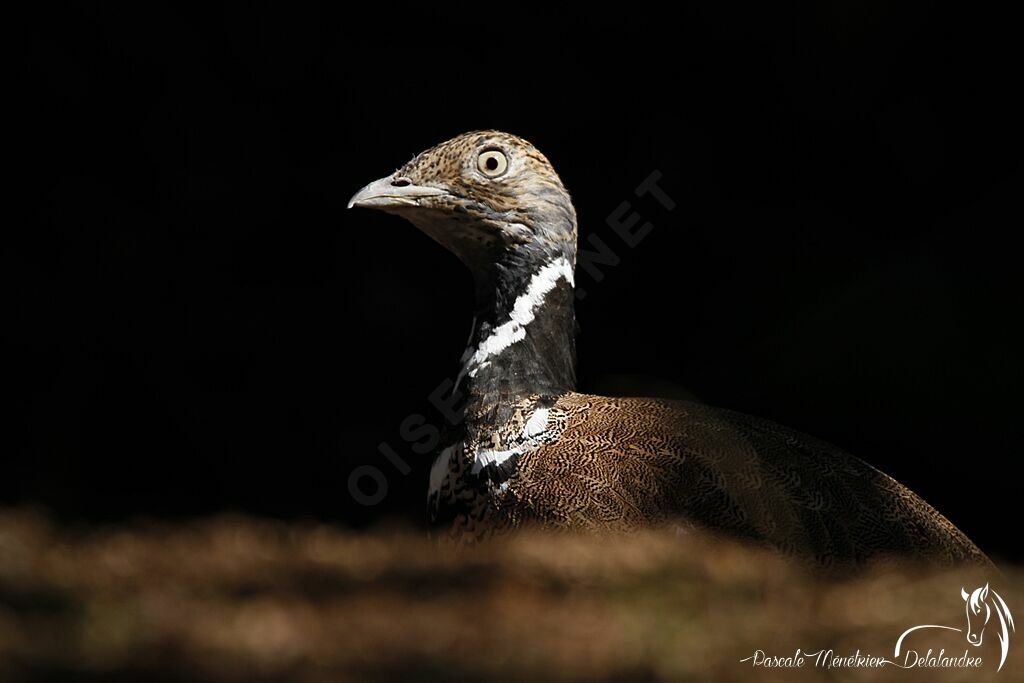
(492, 163)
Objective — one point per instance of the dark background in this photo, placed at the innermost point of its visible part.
(197, 324)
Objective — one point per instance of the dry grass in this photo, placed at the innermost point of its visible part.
(237, 599)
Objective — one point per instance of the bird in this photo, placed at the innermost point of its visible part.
(529, 450)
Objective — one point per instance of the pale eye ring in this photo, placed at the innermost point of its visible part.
(492, 163)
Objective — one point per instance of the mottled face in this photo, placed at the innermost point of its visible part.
(480, 194)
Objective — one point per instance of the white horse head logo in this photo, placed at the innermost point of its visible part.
(980, 605)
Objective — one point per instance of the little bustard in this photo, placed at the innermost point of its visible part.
(531, 450)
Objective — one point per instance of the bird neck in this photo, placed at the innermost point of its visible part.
(523, 342)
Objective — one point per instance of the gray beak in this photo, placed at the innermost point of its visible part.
(392, 191)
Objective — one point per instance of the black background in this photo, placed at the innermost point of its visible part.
(199, 325)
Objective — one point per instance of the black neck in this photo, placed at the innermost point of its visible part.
(541, 360)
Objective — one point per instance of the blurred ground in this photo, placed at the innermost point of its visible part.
(239, 599)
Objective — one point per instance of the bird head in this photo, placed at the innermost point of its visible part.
(488, 197)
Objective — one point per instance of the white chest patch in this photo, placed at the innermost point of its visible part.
(529, 439)
(524, 310)
(485, 458)
(440, 470)
(537, 423)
